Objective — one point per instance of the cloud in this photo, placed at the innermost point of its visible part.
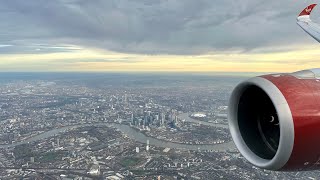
(22, 48)
(151, 27)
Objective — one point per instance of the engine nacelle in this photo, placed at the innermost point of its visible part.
(274, 120)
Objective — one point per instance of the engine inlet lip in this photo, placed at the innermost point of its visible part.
(286, 142)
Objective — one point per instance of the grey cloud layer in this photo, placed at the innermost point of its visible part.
(153, 26)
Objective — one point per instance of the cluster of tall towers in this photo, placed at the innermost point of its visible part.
(149, 118)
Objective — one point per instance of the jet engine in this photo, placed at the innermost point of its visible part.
(274, 120)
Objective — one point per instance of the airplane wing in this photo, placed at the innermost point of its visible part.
(304, 21)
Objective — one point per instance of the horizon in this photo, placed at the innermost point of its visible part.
(231, 74)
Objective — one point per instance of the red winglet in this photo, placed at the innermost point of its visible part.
(307, 10)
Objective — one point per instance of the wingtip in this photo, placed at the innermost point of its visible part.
(307, 11)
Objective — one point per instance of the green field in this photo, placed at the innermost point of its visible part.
(130, 161)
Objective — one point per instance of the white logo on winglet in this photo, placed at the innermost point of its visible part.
(308, 10)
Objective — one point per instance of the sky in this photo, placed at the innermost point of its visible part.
(155, 36)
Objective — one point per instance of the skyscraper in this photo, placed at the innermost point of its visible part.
(132, 119)
(32, 159)
(147, 147)
(125, 99)
(163, 117)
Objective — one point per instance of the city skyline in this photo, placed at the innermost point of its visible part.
(111, 126)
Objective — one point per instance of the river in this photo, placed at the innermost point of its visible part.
(133, 134)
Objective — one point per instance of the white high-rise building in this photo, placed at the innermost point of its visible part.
(147, 148)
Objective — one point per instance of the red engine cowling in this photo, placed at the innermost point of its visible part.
(275, 120)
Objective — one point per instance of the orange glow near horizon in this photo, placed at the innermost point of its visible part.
(94, 60)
